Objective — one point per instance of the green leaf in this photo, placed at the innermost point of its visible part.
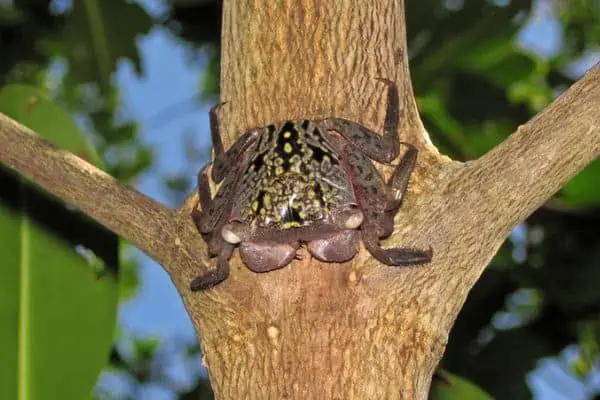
(582, 190)
(446, 386)
(129, 279)
(97, 38)
(589, 350)
(10, 15)
(453, 39)
(31, 106)
(58, 292)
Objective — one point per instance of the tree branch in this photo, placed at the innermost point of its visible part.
(470, 208)
(130, 214)
(536, 161)
(373, 331)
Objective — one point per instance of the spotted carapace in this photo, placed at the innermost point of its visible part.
(304, 182)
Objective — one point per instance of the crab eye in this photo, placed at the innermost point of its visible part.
(354, 219)
(229, 235)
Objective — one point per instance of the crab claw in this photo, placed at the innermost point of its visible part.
(340, 247)
(267, 256)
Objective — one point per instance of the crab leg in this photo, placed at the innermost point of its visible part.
(377, 222)
(210, 222)
(200, 217)
(210, 219)
(398, 182)
(218, 274)
(213, 208)
(380, 148)
(224, 159)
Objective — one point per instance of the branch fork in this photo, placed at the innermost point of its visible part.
(276, 335)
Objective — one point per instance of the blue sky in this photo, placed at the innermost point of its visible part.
(171, 78)
(168, 80)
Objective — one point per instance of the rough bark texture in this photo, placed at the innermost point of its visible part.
(325, 331)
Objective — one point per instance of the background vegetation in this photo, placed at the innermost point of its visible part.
(479, 70)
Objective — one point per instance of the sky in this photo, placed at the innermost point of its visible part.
(170, 78)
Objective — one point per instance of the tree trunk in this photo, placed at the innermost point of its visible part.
(315, 330)
(357, 330)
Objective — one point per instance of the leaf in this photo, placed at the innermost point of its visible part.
(97, 38)
(31, 106)
(10, 15)
(453, 39)
(582, 190)
(446, 386)
(129, 279)
(58, 292)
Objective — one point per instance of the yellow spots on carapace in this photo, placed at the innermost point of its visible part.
(281, 189)
(296, 163)
(291, 224)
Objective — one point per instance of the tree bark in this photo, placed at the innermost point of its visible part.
(326, 331)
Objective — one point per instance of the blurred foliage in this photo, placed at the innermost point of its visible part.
(475, 82)
(445, 386)
(173, 365)
(59, 271)
(74, 53)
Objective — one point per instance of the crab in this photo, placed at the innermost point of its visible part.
(304, 182)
